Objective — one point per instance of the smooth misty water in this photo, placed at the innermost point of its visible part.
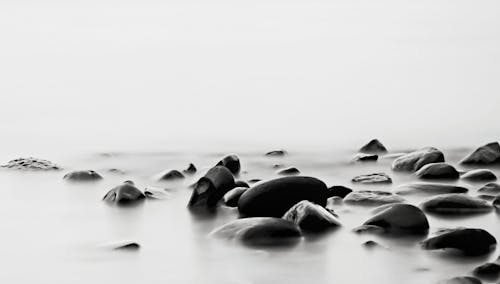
(56, 232)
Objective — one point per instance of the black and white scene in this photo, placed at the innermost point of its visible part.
(250, 142)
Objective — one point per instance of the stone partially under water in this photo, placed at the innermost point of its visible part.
(31, 164)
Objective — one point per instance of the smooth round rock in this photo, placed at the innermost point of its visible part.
(232, 163)
(420, 188)
(288, 171)
(372, 178)
(231, 197)
(124, 194)
(31, 164)
(259, 231)
(491, 188)
(400, 218)
(455, 203)
(172, 175)
(479, 175)
(241, 183)
(311, 217)
(372, 198)
(339, 191)
(273, 198)
(437, 171)
(413, 161)
(82, 176)
(484, 155)
(373, 147)
(471, 242)
(211, 188)
(490, 270)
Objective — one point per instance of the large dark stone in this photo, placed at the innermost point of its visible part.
(339, 191)
(413, 161)
(484, 155)
(231, 197)
(311, 217)
(82, 176)
(232, 162)
(260, 231)
(273, 198)
(421, 188)
(31, 164)
(374, 147)
(400, 218)
(172, 175)
(471, 242)
(455, 203)
(490, 270)
(211, 188)
(438, 171)
(479, 175)
(124, 194)
(372, 198)
(372, 178)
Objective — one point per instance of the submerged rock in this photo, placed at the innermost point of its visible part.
(455, 203)
(490, 270)
(372, 178)
(413, 161)
(491, 188)
(231, 197)
(288, 171)
(190, 170)
(400, 218)
(82, 176)
(273, 198)
(372, 198)
(339, 191)
(211, 188)
(311, 217)
(374, 146)
(232, 163)
(461, 280)
(260, 231)
(124, 194)
(429, 188)
(276, 153)
(479, 175)
(172, 175)
(365, 157)
(484, 155)
(471, 242)
(31, 164)
(129, 246)
(437, 171)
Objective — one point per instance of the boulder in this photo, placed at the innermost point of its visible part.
(365, 157)
(31, 163)
(461, 280)
(288, 171)
(420, 188)
(471, 242)
(372, 178)
(231, 197)
(211, 188)
(413, 161)
(311, 217)
(437, 171)
(273, 198)
(372, 198)
(491, 188)
(82, 176)
(339, 191)
(490, 270)
(484, 155)
(374, 146)
(232, 163)
(260, 231)
(276, 153)
(479, 175)
(400, 218)
(190, 170)
(124, 194)
(456, 203)
(172, 175)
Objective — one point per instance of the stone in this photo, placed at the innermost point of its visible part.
(490, 270)
(484, 155)
(471, 242)
(496, 202)
(365, 157)
(288, 171)
(456, 203)
(241, 183)
(190, 170)
(31, 163)
(372, 178)
(374, 146)
(172, 175)
(124, 194)
(129, 246)
(276, 153)
(311, 217)
(273, 198)
(400, 218)
(82, 176)
(231, 197)
(420, 188)
(339, 191)
(413, 161)
(437, 171)
(491, 188)
(372, 198)
(461, 280)
(260, 231)
(232, 163)
(479, 175)
(211, 188)
(155, 193)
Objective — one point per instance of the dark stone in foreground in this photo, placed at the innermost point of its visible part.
(365, 158)
(373, 147)
(124, 194)
(276, 153)
(289, 171)
(488, 270)
(471, 242)
(231, 197)
(82, 176)
(372, 198)
(400, 218)
(413, 161)
(211, 188)
(479, 175)
(31, 164)
(454, 203)
(232, 163)
(372, 178)
(437, 171)
(461, 280)
(191, 169)
(429, 188)
(311, 217)
(172, 175)
(260, 231)
(273, 198)
(339, 191)
(484, 155)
